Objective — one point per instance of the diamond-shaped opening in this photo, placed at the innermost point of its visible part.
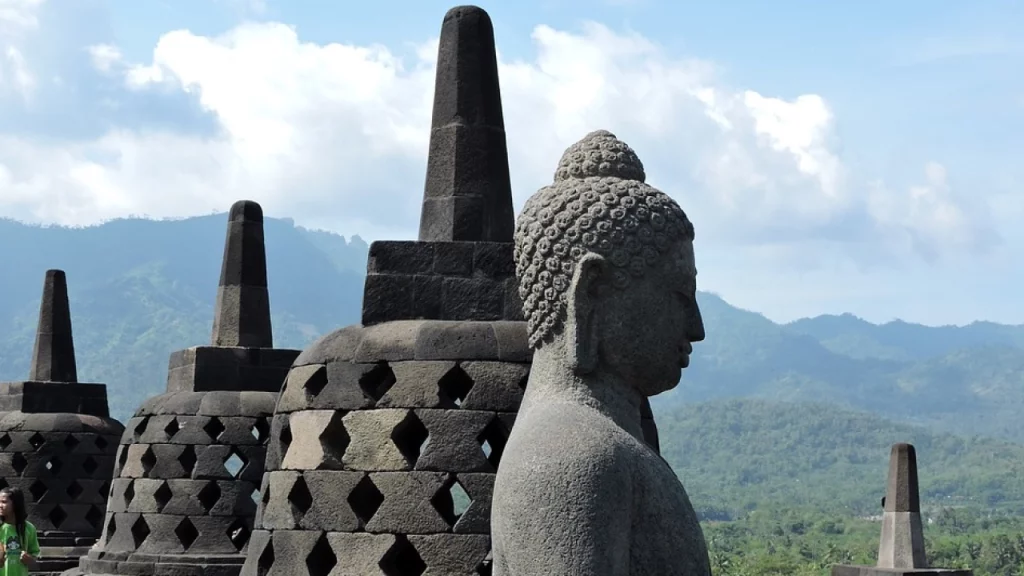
(260, 430)
(213, 428)
(172, 428)
(140, 531)
(94, 517)
(163, 496)
(455, 386)
(524, 381)
(266, 560)
(101, 443)
(300, 498)
(365, 499)
(409, 436)
(321, 559)
(129, 493)
(140, 428)
(209, 495)
(492, 441)
(451, 501)
(238, 533)
(316, 383)
(402, 560)
(334, 439)
(3, 484)
(111, 528)
(286, 435)
(378, 381)
(54, 465)
(5, 441)
(148, 461)
(484, 567)
(89, 465)
(19, 462)
(122, 457)
(104, 488)
(256, 496)
(74, 490)
(186, 533)
(37, 490)
(57, 516)
(234, 463)
(70, 442)
(37, 440)
(187, 459)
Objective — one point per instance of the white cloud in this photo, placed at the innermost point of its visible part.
(335, 135)
(17, 17)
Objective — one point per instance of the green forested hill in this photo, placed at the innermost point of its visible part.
(734, 455)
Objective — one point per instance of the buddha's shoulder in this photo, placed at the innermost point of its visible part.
(570, 431)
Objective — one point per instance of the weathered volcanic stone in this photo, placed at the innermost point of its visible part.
(387, 435)
(901, 546)
(189, 465)
(57, 441)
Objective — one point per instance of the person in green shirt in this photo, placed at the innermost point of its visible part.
(19, 544)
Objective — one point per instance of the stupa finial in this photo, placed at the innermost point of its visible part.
(242, 312)
(468, 195)
(53, 357)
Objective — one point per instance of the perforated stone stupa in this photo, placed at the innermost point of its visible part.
(901, 546)
(188, 469)
(387, 434)
(57, 441)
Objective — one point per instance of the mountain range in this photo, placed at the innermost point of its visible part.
(141, 289)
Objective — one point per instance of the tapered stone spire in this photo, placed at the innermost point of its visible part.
(468, 197)
(901, 547)
(902, 542)
(242, 313)
(53, 357)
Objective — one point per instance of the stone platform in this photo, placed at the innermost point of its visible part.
(875, 571)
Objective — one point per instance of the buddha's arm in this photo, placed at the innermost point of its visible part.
(573, 514)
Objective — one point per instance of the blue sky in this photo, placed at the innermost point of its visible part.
(835, 157)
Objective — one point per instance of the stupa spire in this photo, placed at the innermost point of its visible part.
(242, 312)
(468, 195)
(53, 356)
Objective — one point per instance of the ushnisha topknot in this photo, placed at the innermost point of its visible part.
(599, 202)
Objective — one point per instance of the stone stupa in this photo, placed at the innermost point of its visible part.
(185, 486)
(57, 440)
(901, 546)
(388, 434)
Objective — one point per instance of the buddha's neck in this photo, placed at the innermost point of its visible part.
(552, 380)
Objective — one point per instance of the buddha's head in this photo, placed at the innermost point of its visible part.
(606, 269)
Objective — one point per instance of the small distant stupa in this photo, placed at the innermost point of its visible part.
(185, 486)
(57, 440)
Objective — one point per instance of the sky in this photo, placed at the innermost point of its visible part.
(860, 157)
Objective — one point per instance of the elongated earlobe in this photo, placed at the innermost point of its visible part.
(581, 331)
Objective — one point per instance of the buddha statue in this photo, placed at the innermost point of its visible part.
(606, 274)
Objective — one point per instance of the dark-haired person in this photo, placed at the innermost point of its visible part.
(19, 544)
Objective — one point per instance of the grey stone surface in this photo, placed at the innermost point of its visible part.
(190, 464)
(242, 310)
(467, 196)
(387, 435)
(57, 442)
(840, 570)
(607, 276)
(901, 546)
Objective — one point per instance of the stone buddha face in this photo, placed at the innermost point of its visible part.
(606, 269)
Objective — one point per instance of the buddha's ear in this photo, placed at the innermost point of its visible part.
(581, 333)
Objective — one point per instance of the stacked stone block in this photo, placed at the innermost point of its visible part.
(901, 546)
(189, 465)
(387, 435)
(384, 447)
(57, 441)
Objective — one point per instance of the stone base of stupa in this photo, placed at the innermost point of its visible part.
(114, 563)
(843, 570)
(60, 552)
